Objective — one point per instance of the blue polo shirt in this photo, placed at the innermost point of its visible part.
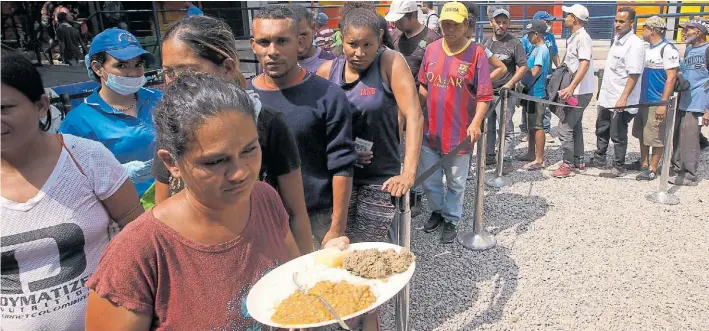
(128, 138)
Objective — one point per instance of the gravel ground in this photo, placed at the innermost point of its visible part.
(582, 253)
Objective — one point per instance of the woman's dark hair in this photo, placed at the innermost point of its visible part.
(100, 58)
(367, 18)
(209, 37)
(190, 100)
(19, 73)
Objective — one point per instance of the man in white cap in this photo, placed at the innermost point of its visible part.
(620, 87)
(510, 51)
(659, 76)
(410, 37)
(579, 59)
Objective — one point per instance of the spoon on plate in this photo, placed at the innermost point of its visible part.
(302, 289)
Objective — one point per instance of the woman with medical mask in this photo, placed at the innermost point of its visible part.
(119, 112)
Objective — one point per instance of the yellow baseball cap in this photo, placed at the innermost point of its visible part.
(454, 11)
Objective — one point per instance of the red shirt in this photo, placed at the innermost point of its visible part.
(151, 269)
(455, 83)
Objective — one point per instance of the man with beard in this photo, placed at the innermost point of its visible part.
(693, 103)
(510, 51)
(318, 114)
(624, 68)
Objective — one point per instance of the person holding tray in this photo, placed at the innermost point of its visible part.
(189, 263)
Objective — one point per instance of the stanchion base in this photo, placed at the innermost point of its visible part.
(663, 198)
(497, 182)
(477, 241)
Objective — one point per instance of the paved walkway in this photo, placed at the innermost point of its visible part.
(583, 253)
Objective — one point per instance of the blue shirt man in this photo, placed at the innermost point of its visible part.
(549, 39)
(695, 70)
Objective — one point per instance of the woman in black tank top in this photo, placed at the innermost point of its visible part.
(381, 102)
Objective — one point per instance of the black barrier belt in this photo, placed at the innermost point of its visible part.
(642, 105)
(464, 144)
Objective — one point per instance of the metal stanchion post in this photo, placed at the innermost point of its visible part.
(498, 180)
(402, 233)
(662, 196)
(479, 239)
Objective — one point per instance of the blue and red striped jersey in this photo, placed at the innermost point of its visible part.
(455, 84)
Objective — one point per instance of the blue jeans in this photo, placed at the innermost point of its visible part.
(546, 123)
(450, 203)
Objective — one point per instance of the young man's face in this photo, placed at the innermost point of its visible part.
(569, 20)
(623, 23)
(277, 44)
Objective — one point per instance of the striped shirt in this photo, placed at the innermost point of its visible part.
(455, 83)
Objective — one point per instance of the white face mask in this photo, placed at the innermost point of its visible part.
(124, 85)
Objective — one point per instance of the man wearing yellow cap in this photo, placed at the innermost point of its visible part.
(456, 86)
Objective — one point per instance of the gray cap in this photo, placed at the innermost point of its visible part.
(699, 23)
(499, 12)
(537, 26)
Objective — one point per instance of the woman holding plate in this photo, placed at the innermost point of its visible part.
(189, 263)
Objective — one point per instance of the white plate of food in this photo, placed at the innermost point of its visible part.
(377, 272)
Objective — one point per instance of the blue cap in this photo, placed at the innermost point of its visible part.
(544, 16)
(321, 18)
(120, 44)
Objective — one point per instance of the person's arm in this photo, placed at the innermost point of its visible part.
(484, 94)
(521, 61)
(671, 65)
(554, 50)
(102, 314)
(292, 246)
(404, 88)
(499, 68)
(584, 66)
(124, 205)
(341, 156)
(290, 187)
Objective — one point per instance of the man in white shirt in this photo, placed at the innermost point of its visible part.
(624, 67)
(429, 17)
(658, 82)
(579, 59)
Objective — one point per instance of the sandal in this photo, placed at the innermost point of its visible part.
(531, 166)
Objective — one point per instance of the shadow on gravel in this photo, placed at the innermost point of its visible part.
(508, 210)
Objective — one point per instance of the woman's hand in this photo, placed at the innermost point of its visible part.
(340, 243)
(398, 185)
(364, 157)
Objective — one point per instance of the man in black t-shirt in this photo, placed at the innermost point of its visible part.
(410, 37)
(511, 52)
(318, 114)
(69, 40)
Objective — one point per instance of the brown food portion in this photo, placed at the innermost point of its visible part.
(345, 299)
(373, 264)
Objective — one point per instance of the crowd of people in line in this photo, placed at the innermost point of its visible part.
(145, 199)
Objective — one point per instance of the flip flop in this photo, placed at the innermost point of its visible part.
(531, 166)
